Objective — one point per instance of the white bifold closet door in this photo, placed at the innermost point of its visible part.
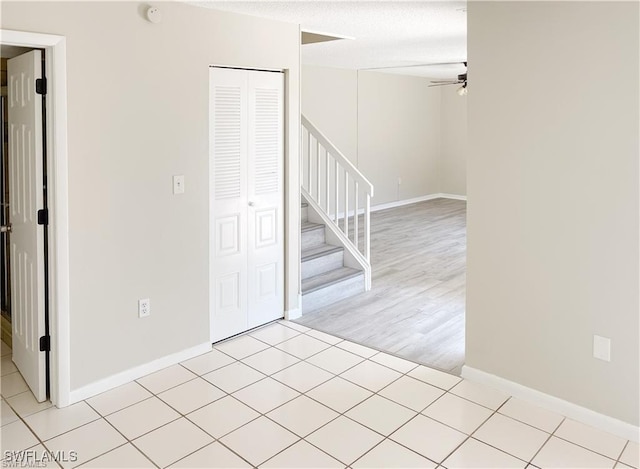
(246, 206)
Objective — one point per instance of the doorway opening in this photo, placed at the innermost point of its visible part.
(40, 352)
(24, 216)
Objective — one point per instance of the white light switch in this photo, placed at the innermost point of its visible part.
(602, 348)
(178, 184)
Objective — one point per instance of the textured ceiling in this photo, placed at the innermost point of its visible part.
(385, 33)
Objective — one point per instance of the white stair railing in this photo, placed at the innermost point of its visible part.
(337, 190)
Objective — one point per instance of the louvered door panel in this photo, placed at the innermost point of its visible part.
(266, 220)
(268, 141)
(227, 141)
(228, 159)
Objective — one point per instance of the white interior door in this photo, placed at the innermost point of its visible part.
(27, 238)
(246, 220)
(265, 220)
(228, 199)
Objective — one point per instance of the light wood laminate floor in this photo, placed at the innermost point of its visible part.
(416, 306)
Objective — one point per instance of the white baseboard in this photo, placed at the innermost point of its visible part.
(400, 203)
(573, 411)
(453, 196)
(291, 314)
(129, 375)
(415, 200)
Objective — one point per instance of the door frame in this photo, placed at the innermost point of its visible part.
(55, 51)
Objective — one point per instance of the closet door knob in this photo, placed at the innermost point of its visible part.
(251, 204)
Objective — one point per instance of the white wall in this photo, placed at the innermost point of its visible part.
(454, 145)
(138, 114)
(398, 135)
(330, 101)
(553, 227)
(390, 127)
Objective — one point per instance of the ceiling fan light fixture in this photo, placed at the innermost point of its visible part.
(462, 91)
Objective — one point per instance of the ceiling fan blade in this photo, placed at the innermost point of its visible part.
(444, 84)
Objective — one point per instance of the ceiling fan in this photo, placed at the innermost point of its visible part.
(461, 80)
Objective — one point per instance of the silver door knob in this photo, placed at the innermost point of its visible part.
(250, 204)
(5, 229)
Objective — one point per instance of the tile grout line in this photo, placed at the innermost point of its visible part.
(584, 447)
(40, 441)
(181, 415)
(545, 443)
(127, 440)
(24, 392)
(470, 436)
(621, 453)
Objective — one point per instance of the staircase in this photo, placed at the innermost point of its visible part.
(325, 278)
(335, 243)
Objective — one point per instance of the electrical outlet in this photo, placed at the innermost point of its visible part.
(602, 348)
(144, 308)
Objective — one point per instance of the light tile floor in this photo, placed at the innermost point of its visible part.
(285, 396)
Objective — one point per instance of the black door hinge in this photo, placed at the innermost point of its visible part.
(43, 217)
(45, 343)
(41, 85)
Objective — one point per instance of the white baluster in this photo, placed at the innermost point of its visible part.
(355, 214)
(367, 228)
(309, 163)
(346, 203)
(303, 153)
(337, 191)
(318, 172)
(326, 165)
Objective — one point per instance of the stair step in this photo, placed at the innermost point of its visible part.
(312, 235)
(303, 204)
(320, 251)
(331, 287)
(327, 279)
(308, 226)
(321, 258)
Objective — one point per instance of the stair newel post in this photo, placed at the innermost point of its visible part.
(346, 203)
(355, 213)
(367, 227)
